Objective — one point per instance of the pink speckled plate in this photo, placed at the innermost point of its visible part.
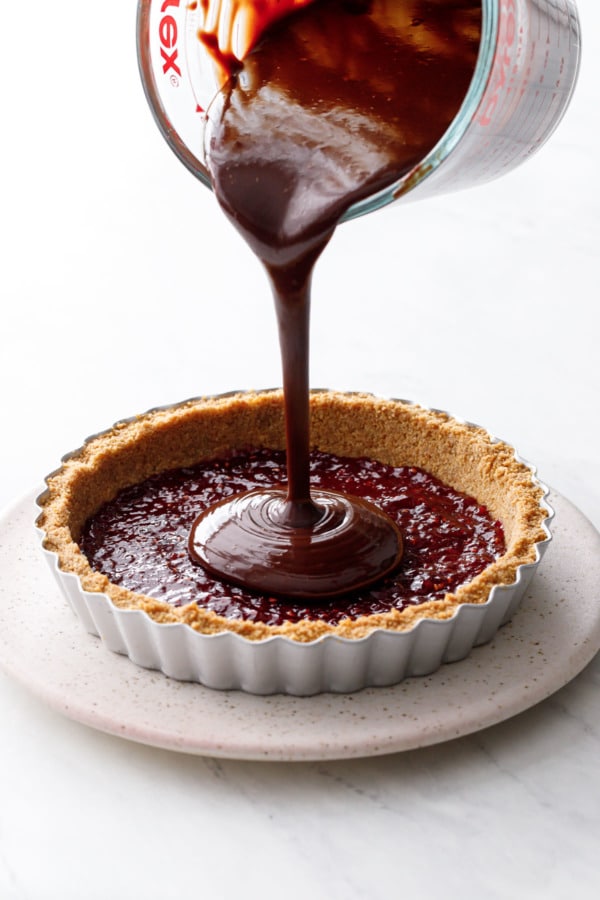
(550, 640)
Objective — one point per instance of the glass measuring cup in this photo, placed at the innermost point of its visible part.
(524, 77)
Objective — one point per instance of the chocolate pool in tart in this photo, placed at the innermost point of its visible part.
(117, 514)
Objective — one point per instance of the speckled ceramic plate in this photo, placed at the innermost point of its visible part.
(555, 633)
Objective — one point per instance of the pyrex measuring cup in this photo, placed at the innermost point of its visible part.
(523, 80)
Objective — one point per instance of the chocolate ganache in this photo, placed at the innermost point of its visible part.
(333, 105)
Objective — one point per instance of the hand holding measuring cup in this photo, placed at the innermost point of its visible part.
(233, 26)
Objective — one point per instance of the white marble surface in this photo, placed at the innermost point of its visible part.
(118, 281)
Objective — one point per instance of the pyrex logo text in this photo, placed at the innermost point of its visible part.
(168, 33)
(502, 59)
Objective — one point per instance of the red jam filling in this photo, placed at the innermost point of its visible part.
(139, 540)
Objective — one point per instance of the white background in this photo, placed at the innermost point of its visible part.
(122, 287)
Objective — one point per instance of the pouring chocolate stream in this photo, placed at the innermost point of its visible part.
(332, 106)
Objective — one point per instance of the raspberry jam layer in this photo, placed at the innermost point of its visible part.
(139, 540)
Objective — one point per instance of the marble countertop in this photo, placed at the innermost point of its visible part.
(124, 288)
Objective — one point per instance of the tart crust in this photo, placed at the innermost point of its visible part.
(395, 432)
